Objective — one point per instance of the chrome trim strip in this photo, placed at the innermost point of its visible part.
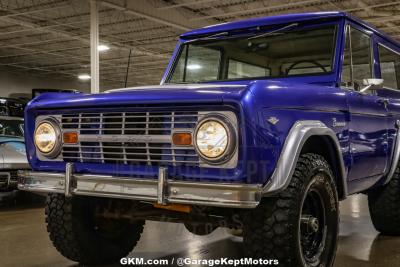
(193, 193)
(298, 135)
(395, 155)
(124, 138)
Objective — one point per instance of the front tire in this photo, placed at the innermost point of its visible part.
(79, 235)
(299, 227)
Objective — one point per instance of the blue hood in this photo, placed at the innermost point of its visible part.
(271, 93)
(164, 94)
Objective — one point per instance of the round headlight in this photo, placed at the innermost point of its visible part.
(214, 140)
(47, 138)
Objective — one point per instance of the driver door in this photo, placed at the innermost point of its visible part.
(368, 124)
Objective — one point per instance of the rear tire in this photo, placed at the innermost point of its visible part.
(384, 206)
(298, 227)
(82, 237)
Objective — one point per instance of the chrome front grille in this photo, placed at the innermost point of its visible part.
(129, 137)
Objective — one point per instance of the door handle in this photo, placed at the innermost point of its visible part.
(383, 101)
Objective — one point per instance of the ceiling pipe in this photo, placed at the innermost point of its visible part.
(94, 50)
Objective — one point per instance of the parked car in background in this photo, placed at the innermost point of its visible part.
(262, 125)
(38, 91)
(12, 152)
(12, 107)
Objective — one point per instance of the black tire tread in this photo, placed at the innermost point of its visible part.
(384, 206)
(269, 222)
(65, 236)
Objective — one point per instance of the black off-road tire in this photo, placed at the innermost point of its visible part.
(273, 229)
(72, 228)
(384, 206)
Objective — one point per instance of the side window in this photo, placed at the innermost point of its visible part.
(357, 58)
(361, 55)
(390, 67)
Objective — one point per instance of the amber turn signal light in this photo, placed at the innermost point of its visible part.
(182, 139)
(70, 138)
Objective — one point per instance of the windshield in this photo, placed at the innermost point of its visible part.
(293, 52)
(11, 128)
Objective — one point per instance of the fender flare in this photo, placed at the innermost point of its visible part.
(297, 137)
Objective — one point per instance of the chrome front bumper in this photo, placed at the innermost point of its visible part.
(162, 190)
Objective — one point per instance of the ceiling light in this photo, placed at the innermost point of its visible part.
(102, 48)
(84, 77)
(194, 67)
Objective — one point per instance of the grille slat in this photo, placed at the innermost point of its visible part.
(152, 147)
(136, 160)
(127, 116)
(151, 154)
(113, 129)
(129, 137)
(119, 123)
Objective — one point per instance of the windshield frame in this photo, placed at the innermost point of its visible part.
(337, 23)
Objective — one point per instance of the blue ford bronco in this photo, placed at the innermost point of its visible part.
(261, 125)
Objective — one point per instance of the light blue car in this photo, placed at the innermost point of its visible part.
(12, 151)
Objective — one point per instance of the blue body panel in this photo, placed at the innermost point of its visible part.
(366, 140)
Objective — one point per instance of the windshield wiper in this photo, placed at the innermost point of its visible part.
(209, 37)
(274, 31)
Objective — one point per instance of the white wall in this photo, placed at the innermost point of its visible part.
(12, 83)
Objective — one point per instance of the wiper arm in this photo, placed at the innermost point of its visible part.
(274, 31)
(213, 36)
(209, 37)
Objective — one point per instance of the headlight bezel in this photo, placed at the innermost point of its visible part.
(231, 139)
(58, 142)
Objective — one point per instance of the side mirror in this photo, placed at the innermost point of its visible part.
(371, 84)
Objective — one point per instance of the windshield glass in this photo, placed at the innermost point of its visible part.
(292, 52)
(11, 128)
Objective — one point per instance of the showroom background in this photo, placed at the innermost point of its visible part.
(48, 42)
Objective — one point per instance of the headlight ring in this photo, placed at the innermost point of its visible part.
(215, 139)
(47, 138)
